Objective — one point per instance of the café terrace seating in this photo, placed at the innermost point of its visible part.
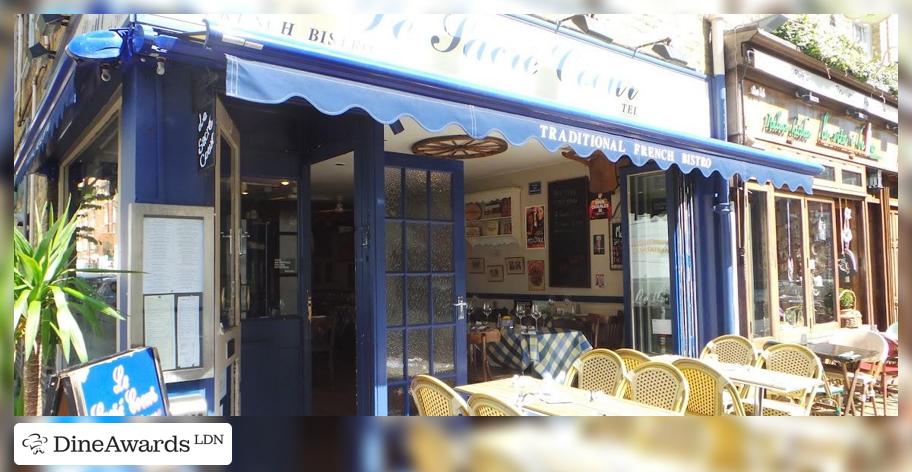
(719, 384)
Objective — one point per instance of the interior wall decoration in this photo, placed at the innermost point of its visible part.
(515, 265)
(536, 269)
(535, 227)
(495, 273)
(617, 247)
(598, 244)
(476, 265)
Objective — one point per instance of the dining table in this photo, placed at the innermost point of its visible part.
(548, 352)
(759, 378)
(548, 398)
(846, 359)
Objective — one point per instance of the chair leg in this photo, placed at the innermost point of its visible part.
(864, 398)
(883, 391)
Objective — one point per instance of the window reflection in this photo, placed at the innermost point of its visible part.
(92, 188)
(790, 257)
(758, 212)
(821, 265)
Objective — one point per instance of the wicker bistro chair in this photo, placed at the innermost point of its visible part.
(435, 398)
(599, 370)
(711, 393)
(731, 349)
(658, 384)
(486, 405)
(792, 359)
(632, 359)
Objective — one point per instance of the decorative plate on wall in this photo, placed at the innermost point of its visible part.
(459, 146)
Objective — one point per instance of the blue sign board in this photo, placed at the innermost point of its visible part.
(126, 384)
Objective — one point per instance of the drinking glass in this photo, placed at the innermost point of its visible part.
(521, 313)
(536, 314)
(487, 308)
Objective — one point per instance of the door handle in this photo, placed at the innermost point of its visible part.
(460, 307)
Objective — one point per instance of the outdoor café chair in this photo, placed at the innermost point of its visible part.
(597, 370)
(486, 405)
(731, 349)
(792, 359)
(632, 359)
(658, 384)
(710, 391)
(869, 369)
(435, 398)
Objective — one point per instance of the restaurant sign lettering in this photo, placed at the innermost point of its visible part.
(497, 53)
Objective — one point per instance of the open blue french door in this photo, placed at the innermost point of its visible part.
(422, 280)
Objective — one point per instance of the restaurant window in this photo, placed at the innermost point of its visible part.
(822, 261)
(650, 283)
(790, 262)
(854, 179)
(92, 189)
(829, 173)
(758, 214)
(851, 259)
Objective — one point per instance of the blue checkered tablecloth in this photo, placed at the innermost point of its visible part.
(549, 352)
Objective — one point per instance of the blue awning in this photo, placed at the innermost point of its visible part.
(61, 93)
(270, 83)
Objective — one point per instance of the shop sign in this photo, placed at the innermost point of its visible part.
(823, 86)
(497, 53)
(797, 129)
(854, 142)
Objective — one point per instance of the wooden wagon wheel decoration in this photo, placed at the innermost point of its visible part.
(459, 146)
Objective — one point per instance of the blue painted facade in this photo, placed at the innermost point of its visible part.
(157, 139)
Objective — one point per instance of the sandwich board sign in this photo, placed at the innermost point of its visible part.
(128, 383)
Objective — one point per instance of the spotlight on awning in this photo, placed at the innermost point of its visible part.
(38, 50)
(589, 24)
(665, 51)
(396, 127)
(856, 114)
(807, 96)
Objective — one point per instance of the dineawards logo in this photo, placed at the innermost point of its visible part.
(122, 443)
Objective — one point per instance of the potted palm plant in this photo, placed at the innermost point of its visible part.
(46, 293)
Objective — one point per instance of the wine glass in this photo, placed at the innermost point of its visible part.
(521, 313)
(535, 314)
(487, 308)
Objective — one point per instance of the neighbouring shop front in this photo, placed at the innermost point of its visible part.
(810, 261)
(308, 197)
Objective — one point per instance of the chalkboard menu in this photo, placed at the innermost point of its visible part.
(125, 384)
(568, 233)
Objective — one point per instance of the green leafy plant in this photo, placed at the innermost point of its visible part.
(46, 293)
(846, 299)
(820, 41)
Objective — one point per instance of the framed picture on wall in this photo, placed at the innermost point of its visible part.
(598, 244)
(516, 265)
(476, 265)
(495, 273)
(535, 227)
(536, 270)
(617, 247)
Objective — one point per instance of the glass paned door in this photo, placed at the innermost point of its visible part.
(758, 241)
(227, 240)
(822, 260)
(790, 262)
(425, 329)
(649, 263)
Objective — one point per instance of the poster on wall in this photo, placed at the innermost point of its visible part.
(599, 206)
(598, 244)
(617, 243)
(600, 280)
(535, 227)
(536, 269)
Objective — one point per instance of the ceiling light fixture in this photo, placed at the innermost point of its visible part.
(459, 146)
(285, 182)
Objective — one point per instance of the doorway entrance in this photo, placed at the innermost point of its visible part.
(333, 286)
